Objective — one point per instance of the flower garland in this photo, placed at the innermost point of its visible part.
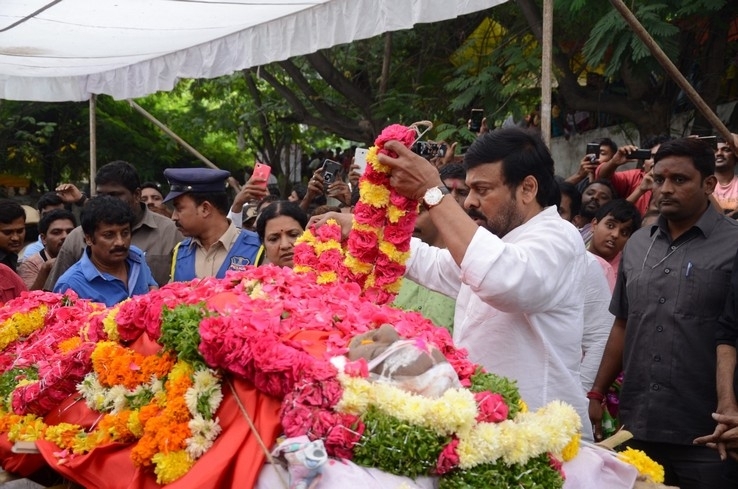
(166, 407)
(48, 339)
(379, 243)
(647, 467)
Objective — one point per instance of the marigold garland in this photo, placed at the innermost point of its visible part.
(379, 243)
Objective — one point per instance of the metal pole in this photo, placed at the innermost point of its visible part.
(93, 143)
(232, 181)
(546, 53)
(673, 72)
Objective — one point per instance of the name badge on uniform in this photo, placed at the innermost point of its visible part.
(239, 263)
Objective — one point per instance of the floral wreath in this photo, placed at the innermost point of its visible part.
(253, 325)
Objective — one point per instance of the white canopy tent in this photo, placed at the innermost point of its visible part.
(69, 50)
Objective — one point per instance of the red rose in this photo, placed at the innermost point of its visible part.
(448, 459)
(398, 237)
(363, 245)
(387, 271)
(492, 407)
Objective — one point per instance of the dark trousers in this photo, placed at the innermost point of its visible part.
(691, 466)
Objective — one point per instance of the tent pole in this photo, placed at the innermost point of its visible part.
(232, 181)
(546, 53)
(673, 72)
(93, 143)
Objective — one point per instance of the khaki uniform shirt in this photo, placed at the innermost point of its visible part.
(208, 262)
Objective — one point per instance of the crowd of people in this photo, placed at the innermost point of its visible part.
(563, 284)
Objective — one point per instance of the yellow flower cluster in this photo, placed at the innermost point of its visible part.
(110, 326)
(22, 324)
(27, 428)
(549, 429)
(171, 466)
(646, 466)
(318, 247)
(453, 412)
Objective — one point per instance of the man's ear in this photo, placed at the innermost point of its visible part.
(88, 240)
(529, 189)
(207, 208)
(709, 184)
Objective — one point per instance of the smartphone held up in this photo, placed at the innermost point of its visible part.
(331, 172)
(475, 121)
(262, 172)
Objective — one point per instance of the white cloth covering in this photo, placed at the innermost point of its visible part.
(519, 305)
(592, 467)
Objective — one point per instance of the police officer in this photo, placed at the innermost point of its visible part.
(214, 244)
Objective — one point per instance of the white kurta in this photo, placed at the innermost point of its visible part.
(519, 305)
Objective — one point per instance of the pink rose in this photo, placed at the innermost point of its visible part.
(368, 215)
(492, 407)
(396, 132)
(448, 459)
(358, 368)
(398, 237)
(329, 232)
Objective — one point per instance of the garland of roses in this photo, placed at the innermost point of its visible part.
(379, 243)
(47, 341)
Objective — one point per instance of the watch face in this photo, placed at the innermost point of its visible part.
(433, 196)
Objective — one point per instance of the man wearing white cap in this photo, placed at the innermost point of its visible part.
(214, 245)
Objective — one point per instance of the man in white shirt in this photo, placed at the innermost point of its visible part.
(517, 279)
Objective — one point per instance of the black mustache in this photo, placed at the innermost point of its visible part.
(116, 250)
(475, 214)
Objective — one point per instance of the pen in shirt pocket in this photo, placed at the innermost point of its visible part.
(689, 269)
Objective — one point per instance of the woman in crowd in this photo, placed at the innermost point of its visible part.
(278, 226)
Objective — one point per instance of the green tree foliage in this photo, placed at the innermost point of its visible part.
(347, 94)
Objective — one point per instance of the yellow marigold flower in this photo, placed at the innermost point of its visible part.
(84, 442)
(306, 237)
(110, 326)
(357, 226)
(181, 371)
(29, 428)
(393, 253)
(134, 425)
(570, 451)
(357, 266)
(645, 465)
(301, 269)
(171, 466)
(62, 434)
(27, 323)
(327, 277)
(371, 158)
(394, 287)
(8, 334)
(522, 406)
(327, 245)
(394, 214)
(374, 195)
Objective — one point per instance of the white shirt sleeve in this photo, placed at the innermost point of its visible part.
(433, 268)
(236, 218)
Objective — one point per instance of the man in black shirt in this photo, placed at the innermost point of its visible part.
(670, 291)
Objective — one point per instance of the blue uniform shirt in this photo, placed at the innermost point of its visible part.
(90, 283)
